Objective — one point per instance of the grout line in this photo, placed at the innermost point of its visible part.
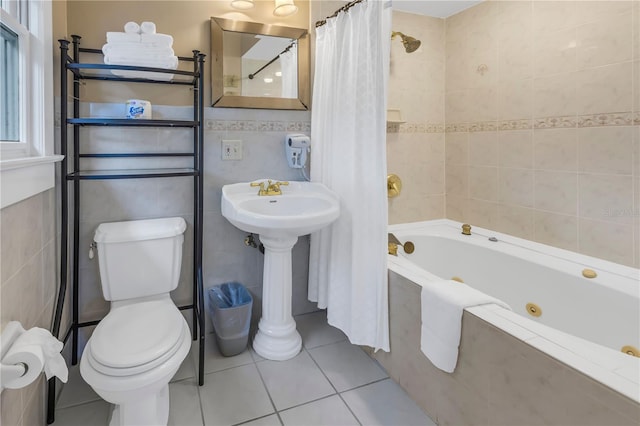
(334, 388)
(266, 388)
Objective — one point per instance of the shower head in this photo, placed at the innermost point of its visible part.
(410, 44)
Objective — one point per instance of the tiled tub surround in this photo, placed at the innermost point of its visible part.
(415, 149)
(542, 123)
(225, 257)
(512, 370)
(499, 380)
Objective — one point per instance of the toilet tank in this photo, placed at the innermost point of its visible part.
(139, 258)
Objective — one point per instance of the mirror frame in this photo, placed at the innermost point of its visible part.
(219, 99)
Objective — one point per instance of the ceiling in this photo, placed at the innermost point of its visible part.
(435, 8)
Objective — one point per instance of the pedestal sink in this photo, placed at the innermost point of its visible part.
(302, 208)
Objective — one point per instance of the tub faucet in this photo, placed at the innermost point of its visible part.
(394, 242)
(466, 229)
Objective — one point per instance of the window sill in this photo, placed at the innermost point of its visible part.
(24, 177)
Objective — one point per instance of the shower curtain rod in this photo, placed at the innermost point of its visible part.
(342, 9)
(251, 76)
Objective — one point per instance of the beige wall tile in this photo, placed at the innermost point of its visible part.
(457, 109)
(555, 149)
(550, 16)
(604, 89)
(590, 11)
(555, 52)
(605, 41)
(636, 150)
(554, 95)
(605, 197)
(516, 221)
(22, 231)
(556, 230)
(483, 104)
(556, 191)
(515, 186)
(457, 180)
(636, 86)
(606, 240)
(605, 150)
(483, 148)
(515, 149)
(482, 213)
(636, 30)
(457, 148)
(483, 183)
(456, 208)
(515, 99)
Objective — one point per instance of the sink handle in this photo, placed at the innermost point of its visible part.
(261, 191)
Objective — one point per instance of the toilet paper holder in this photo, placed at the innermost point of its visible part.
(10, 372)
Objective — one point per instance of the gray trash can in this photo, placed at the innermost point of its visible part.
(230, 311)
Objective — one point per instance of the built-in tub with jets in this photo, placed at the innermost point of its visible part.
(565, 354)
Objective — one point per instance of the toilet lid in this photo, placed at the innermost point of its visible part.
(138, 334)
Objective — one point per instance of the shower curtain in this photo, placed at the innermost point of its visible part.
(348, 260)
(289, 68)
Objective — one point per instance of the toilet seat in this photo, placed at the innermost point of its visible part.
(135, 338)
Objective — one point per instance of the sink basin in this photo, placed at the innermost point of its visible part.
(303, 207)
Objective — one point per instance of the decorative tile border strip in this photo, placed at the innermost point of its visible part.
(258, 126)
(415, 128)
(560, 122)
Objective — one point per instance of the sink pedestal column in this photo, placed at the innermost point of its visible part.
(277, 338)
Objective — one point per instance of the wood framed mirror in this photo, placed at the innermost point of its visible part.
(256, 65)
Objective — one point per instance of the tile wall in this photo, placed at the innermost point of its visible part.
(28, 289)
(416, 88)
(499, 379)
(225, 256)
(542, 123)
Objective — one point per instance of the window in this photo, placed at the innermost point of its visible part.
(9, 97)
(26, 100)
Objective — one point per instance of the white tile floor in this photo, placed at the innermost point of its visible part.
(330, 382)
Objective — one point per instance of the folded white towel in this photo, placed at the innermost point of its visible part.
(159, 39)
(113, 37)
(141, 74)
(167, 62)
(148, 28)
(442, 305)
(136, 49)
(132, 28)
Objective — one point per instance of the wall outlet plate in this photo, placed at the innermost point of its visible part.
(231, 150)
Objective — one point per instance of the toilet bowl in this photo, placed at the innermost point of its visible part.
(131, 357)
(139, 345)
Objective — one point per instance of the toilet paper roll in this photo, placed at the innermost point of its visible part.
(138, 109)
(28, 354)
(38, 350)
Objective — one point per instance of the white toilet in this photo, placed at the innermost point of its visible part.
(137, 348)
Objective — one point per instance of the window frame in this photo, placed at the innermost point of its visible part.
(20, 148)
(30, 168)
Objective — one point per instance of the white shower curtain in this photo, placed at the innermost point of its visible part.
(348, 260)
(289, 69)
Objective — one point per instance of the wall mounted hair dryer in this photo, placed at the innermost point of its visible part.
(297, 147)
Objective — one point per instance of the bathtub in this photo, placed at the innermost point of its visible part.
(584, 322)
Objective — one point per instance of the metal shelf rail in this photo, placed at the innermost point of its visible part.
(81, 71)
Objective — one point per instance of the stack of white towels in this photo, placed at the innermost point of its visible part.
(140, 45)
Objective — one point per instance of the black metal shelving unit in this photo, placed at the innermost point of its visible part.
(72, 176)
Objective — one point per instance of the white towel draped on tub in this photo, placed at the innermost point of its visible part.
(442, 305)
